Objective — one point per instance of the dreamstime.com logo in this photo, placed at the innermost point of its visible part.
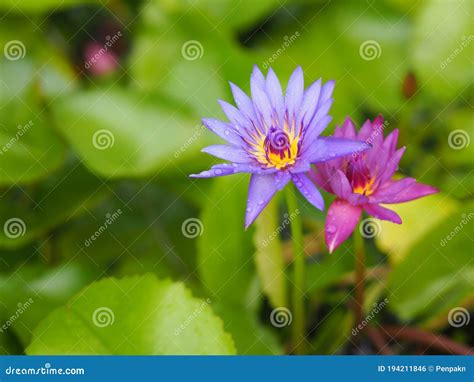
(103, 139)
(370, 50)
(14, 228)
(377, 308)
(458, 317)
(22, 130)
(109, 220)
(458, 139)
(285, 223)
(103, 317)
(110, 41)
(287, 41)
(14, 50)
(192, 50)
(192, 228)
(280, 317)
(465, 219)
(370, 228)
(22, 308)
(192, 317)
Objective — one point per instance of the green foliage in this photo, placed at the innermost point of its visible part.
(135, 315)
(77, 146)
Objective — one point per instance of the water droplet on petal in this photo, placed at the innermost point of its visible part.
(218, 172)
(331, 228)
(226, 132)
(248, 209)
(260, 202)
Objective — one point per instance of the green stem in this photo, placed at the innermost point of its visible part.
(298, 292)
(359, 249)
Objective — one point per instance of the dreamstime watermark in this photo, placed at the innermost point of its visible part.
(103, 317)
(192, 50)
(14, 228)
(199, 130)
(466, 40)
(110, 41)
(458, 139)
(192, 317)
(287, 41)
(280, 317)
(370, 50)
(287, 219)
(14, 50)
(370, 228)
(377, 308)
(192, 228)
(103, 139)
(465, 219)
(22, 129)
(110, 218)
(22, 308)
(458, 317)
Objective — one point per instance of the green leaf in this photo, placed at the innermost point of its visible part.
(122, 133)
(34, 290)
(419, 217)
(225, 263)
(269, 256)
(135, 315)
(442, 47)
(438, 272)
(29, 148)
(29, 213)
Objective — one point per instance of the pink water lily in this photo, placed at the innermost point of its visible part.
(364, 181)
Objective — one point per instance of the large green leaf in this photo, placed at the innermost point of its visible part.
(225, 249)
(121, 133)
(438, 272)
(135, 315)
(31, 212)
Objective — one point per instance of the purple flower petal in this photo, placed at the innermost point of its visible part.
(326, 91)
(403, 190)
(327, 148)
(382, 213)
(238, 120)
(230, 153)
(309, 190)
(310, 102)
(340, 184)
(262, 106)
(224, 169)
(294, 92)
(223, 130)
(261, 190)
(275, 95)
(243, 102)
(391, 165)
(341, 220)
(312, 132)
(347, 129)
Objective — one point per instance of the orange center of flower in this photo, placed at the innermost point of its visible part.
(278, 148)
(360, 178)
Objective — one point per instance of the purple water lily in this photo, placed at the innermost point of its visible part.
(363, 181)
(275, 137)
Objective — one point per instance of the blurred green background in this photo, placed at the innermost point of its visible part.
(100, 112)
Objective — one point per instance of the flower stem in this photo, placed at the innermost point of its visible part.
(359, 249)
(298, 292)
